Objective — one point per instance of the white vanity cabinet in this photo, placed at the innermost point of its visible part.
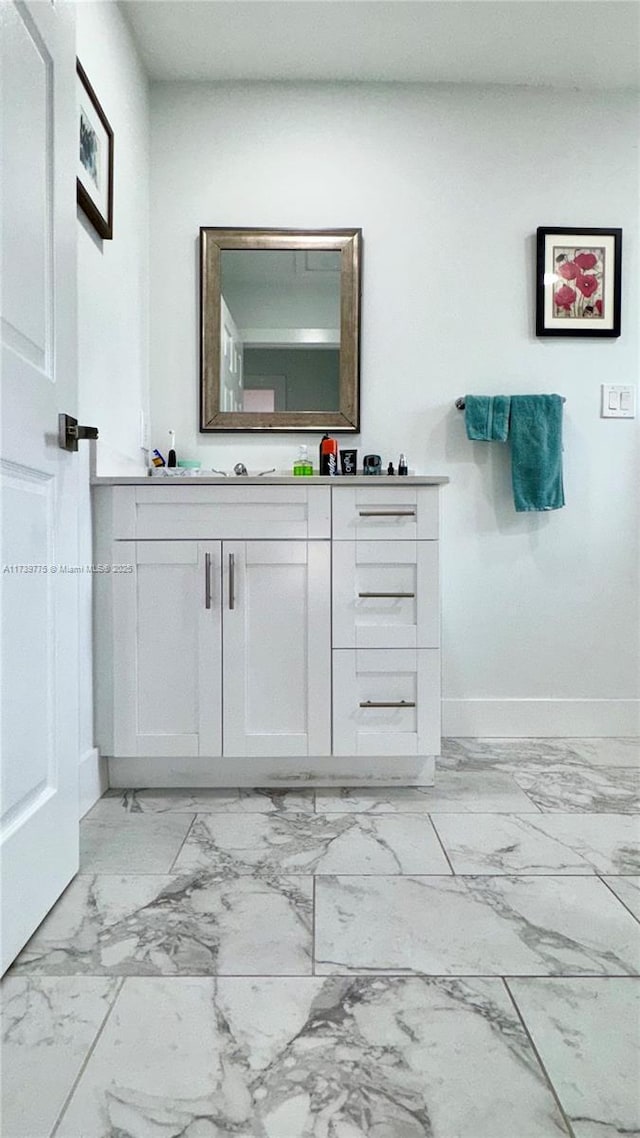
(216, 647)
(386, 624)
(268, 632)
(185, 607)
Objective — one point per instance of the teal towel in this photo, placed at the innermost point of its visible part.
(486, 417)
(536, 452)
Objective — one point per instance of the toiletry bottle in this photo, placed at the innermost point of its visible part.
(302, 467)
(171, 457)
(390, 469)
(328, 455)
(402, 465)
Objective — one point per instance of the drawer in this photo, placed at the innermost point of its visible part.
(385, 512)
(385, 594)
(365, 678)
(205, 512)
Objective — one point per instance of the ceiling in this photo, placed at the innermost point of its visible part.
(589, 44)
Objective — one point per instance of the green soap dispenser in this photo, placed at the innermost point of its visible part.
(302, 467)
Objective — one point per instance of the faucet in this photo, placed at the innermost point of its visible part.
(241, 470)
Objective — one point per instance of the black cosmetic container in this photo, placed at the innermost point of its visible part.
(349, 461)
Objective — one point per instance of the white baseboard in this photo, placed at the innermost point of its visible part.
(541, 718)
(304, 771)
(92, 780)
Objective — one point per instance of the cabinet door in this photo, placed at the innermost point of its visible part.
(385, 594)
(277, 648)
(167, 648)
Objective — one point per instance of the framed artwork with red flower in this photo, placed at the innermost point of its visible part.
(578, 281)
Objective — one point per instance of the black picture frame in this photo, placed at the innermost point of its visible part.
(94, 183)
(578, 281)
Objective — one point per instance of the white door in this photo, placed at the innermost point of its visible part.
(232, 362)
(166, 628)
(39, 481)
(277, 648)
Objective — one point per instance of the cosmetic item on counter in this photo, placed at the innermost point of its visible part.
(390, 469)
(174, 472)
(328, 455)
(171, 458)
(189, 465)
(372, 464)
(402, 465)
(349, 461)
(303, 467)
(157, 459)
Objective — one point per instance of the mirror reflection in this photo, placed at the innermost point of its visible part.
(280, 330)
(280, 327)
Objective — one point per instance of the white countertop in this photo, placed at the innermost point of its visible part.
(270, 480)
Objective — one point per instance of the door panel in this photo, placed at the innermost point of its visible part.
(28, 522)
(167, 695)
(28, 67)
(39, 481)
(276, 644)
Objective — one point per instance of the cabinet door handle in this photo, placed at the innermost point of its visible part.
(386, 595)
(387, 513)
(387, 703)
(207, 580)
(232, 581)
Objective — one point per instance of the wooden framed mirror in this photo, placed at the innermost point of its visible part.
(280, 329)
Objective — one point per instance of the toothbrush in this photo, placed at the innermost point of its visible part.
(171, 458)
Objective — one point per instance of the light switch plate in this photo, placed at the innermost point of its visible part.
(144, 431)
(618, 401)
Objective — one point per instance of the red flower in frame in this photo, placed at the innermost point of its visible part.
(569, 270)
(564, 297)
(598, 307)
(585, 261)
(587, 285)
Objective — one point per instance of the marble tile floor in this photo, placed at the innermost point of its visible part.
(459, 961)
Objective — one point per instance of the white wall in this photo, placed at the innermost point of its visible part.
(449, 185)
(112, 300)
(113, 275)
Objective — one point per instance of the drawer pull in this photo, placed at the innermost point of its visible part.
(207, 580)
(386, 595)
(387, 513)
(232, 581)
(387, 703)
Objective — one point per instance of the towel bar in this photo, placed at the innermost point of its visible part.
(460, 403)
